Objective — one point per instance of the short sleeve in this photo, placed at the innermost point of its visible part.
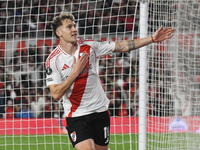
(52, 74)
(102, 48)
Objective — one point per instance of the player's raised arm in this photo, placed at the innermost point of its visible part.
(58, 90)
(159, 35)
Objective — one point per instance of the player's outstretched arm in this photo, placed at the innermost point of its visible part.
(58, 90)
(159, 36)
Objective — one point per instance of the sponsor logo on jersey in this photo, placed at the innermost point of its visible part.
(73, 136)
(85, 70)
(90, 66)
(65, 67)
(49, 79)
(99, 41)
(48, 71)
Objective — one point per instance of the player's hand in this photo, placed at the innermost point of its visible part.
(80, 64)
(198, 78)
(161, 35)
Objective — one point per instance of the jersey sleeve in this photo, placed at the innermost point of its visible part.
(102, 48)
(52, 74)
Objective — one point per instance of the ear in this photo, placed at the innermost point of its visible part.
(58, 33)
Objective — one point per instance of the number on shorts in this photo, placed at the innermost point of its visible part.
(106, 132)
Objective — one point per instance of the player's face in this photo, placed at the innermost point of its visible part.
(68, 31)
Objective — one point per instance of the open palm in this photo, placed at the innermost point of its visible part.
(161, 35)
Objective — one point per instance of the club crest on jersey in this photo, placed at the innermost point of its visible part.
(48, 71)
(84, 52)
(73, 136)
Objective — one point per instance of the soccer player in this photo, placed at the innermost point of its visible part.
(71, 75)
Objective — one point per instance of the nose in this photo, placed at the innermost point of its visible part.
(74, 29)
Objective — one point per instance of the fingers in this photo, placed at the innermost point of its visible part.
(169, 33)
(198, 78)
(166, 29)
(160, 28)
(84, 57)
(168, 37)
(83, 60)
(79, 66)
(164, 34)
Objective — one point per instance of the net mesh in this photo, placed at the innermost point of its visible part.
(173, 104)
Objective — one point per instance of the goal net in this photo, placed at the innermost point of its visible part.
(173, 69)
(31, 119)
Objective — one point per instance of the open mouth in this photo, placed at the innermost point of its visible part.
(74, 35)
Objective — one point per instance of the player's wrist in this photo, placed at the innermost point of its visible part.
(75, 74)
(152, 39)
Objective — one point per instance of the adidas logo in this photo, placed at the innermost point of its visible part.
(65, 67)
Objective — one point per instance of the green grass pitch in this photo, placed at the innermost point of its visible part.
(57, 142)
(162, 141)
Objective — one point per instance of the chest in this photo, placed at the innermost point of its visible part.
(65, 63)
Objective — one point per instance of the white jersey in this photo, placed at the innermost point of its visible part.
(85, 95)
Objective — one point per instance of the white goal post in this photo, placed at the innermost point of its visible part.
(154, 91)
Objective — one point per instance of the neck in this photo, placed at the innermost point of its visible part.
(69, 48)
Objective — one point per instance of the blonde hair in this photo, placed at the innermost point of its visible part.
(57, 22)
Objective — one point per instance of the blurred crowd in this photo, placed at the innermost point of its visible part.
(120, 79)
(28, 97)
(22, 19)
(23, 91)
